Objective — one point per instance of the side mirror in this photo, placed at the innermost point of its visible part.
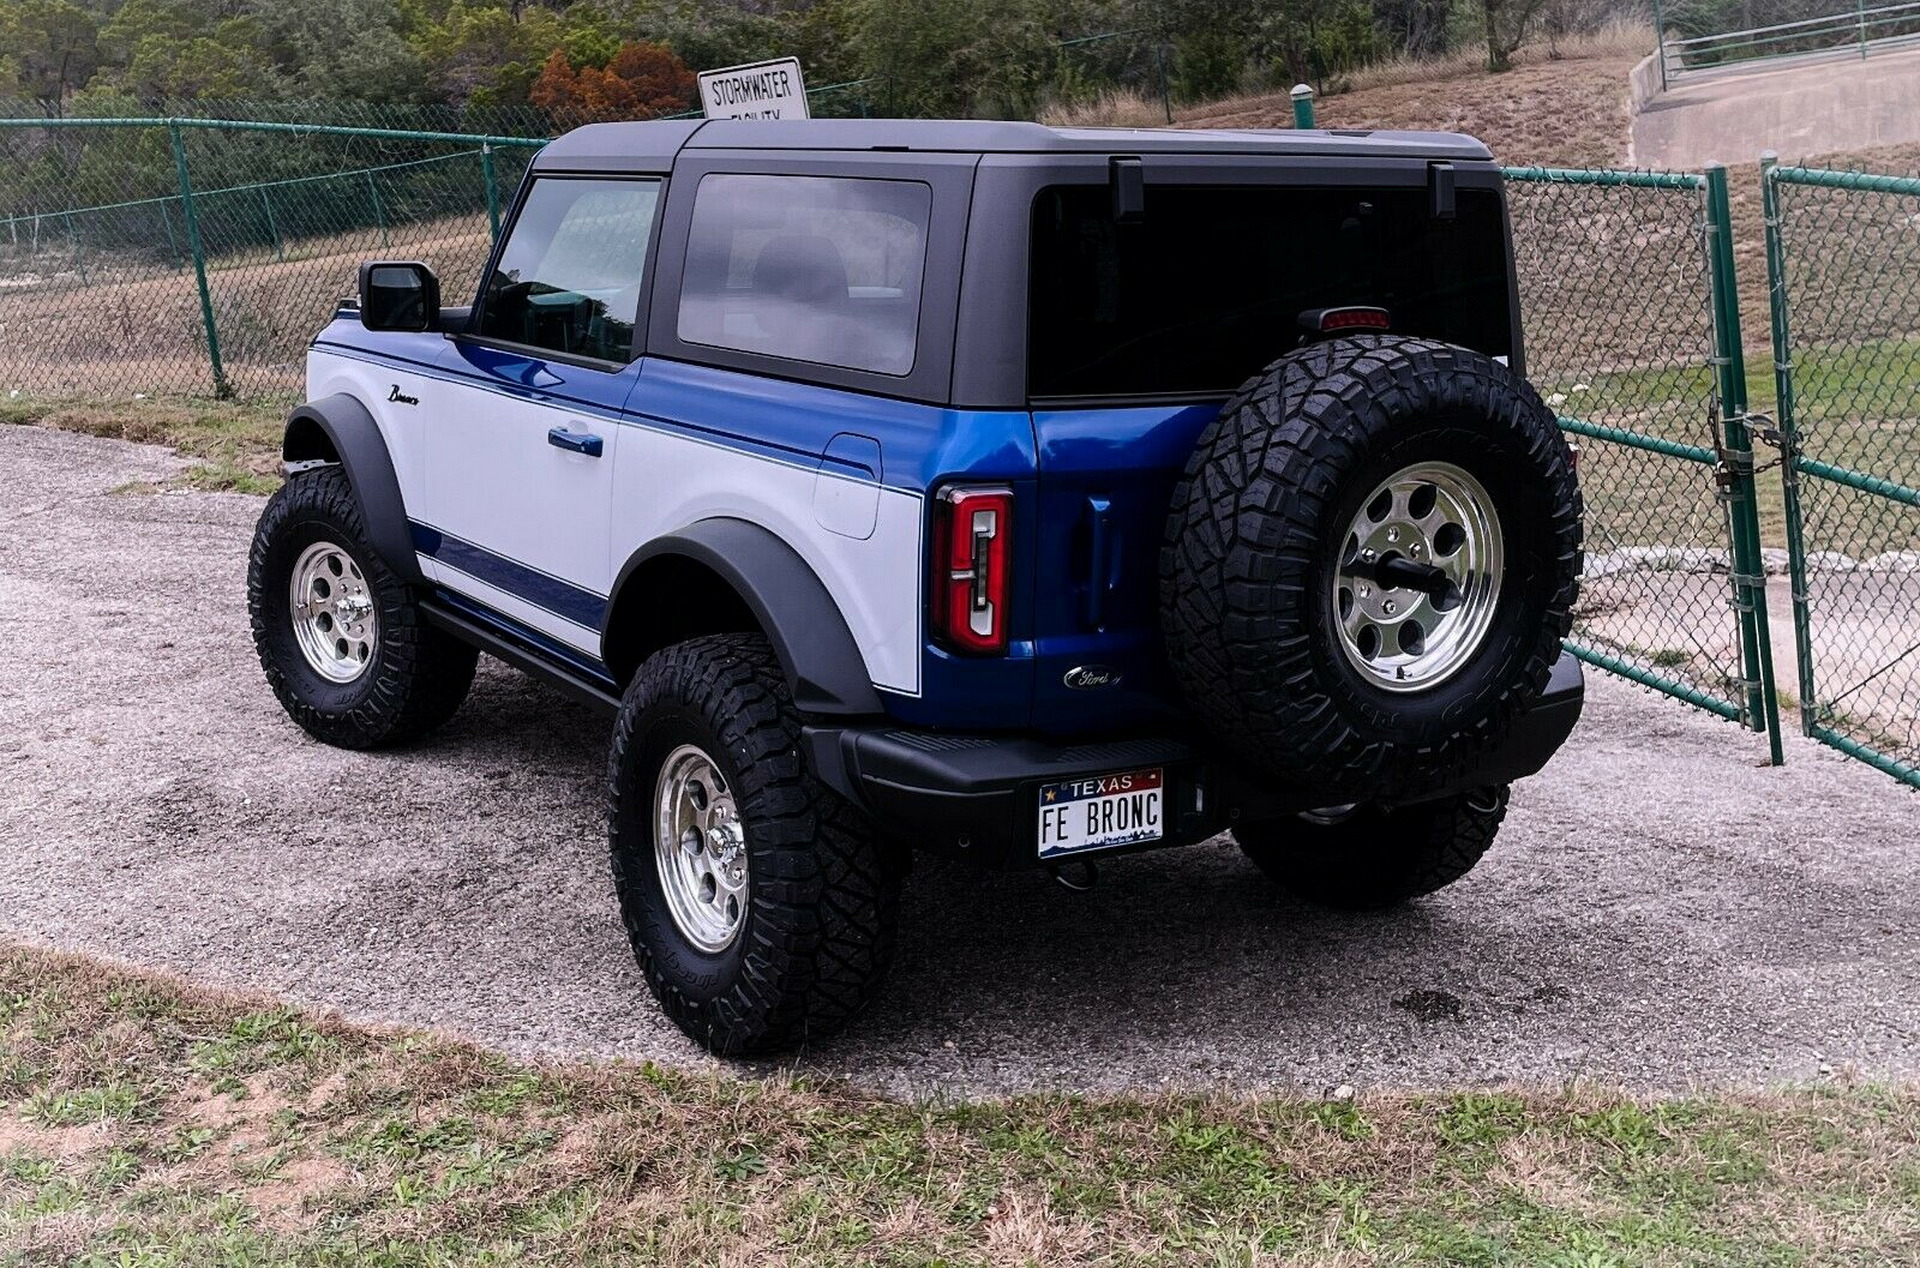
(398, 295)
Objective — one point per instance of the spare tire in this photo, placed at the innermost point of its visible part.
(1370, 563)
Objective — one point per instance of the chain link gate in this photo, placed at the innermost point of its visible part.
(1633, 335)
(1843, 272)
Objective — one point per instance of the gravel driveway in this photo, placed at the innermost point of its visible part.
(1661, 910)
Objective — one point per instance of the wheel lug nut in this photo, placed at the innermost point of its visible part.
(1387, 607)
(1366, 592)
(1393, 534)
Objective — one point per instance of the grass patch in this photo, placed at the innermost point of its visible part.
(1856, 407)
(162, 1124)
(236, 447)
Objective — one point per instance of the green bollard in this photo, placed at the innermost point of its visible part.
(1302, 96)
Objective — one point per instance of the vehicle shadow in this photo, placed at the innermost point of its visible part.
(1186, 965)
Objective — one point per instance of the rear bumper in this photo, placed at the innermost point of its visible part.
(977, 796)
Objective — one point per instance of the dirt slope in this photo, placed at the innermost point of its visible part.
(1569, 113)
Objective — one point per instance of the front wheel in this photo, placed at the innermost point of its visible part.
(343, 641)
(1359, 858)
(761, 905)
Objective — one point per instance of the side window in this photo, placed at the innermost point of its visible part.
(824, 269)
(569, 278)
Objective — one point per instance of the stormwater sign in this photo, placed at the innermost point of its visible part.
(761, 90)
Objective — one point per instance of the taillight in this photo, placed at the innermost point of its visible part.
(972, 559)
(1328, 321)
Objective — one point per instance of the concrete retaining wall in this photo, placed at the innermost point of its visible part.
(1643, 81)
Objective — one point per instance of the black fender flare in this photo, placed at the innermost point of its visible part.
(352, 437)
(810, 636)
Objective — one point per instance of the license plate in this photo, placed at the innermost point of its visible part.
(1102, 810)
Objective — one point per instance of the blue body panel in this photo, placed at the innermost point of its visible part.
(515, 373)
(1106, 481)
(1091, 487)
(920, 447)
(920, 444)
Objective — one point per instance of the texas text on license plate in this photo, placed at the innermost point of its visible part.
(1102, 810)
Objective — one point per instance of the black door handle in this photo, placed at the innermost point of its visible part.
(576, 441)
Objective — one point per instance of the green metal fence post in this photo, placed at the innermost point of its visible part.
(273, 226)
(1166, 81)
(1736, 468)
(1302, 96)
(379, 213)
(173, 243)
(79, 260)
(493, 191)
(1789, 436)
(221, 388)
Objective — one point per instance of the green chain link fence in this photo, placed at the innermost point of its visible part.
(1843, 264)
(196, 256)
(229, 244)
(1632, 334)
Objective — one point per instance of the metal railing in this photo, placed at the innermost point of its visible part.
(1857, 30)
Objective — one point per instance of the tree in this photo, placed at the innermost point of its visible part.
(478, 53)
(225, 66)
(1414, 28)
(141, 20)
(52, 48)
(342, 49)
(954, 58)
(1506, 28)
(643, 81)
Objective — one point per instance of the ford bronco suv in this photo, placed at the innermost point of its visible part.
(1023, 495)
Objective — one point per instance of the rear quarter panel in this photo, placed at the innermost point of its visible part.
(710, 442)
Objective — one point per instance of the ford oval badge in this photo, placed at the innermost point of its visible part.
(1091, 677)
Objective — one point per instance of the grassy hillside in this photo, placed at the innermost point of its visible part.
(1569, 110)
(1569, 113)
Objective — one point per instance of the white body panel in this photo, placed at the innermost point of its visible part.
(666, 481)
(482, 470)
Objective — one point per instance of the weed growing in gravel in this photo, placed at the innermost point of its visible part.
(149, 1123)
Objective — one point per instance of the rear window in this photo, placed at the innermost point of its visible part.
(811, 268)
(1208, 288)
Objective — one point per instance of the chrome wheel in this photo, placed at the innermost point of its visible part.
(700, 848)
(333, 612)
(1419, 577)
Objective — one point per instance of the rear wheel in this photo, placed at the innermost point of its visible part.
(1357, 858)
(760, 904)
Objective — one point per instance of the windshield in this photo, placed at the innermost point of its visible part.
(1209, 286)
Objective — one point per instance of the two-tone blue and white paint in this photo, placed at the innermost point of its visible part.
(529, 483)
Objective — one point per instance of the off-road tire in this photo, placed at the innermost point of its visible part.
(823, 887)
(1377, 858)
(418, 675)
(1260, 519)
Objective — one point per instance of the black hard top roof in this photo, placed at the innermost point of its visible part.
(651, 145)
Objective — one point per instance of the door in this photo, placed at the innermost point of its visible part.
(520, 457)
